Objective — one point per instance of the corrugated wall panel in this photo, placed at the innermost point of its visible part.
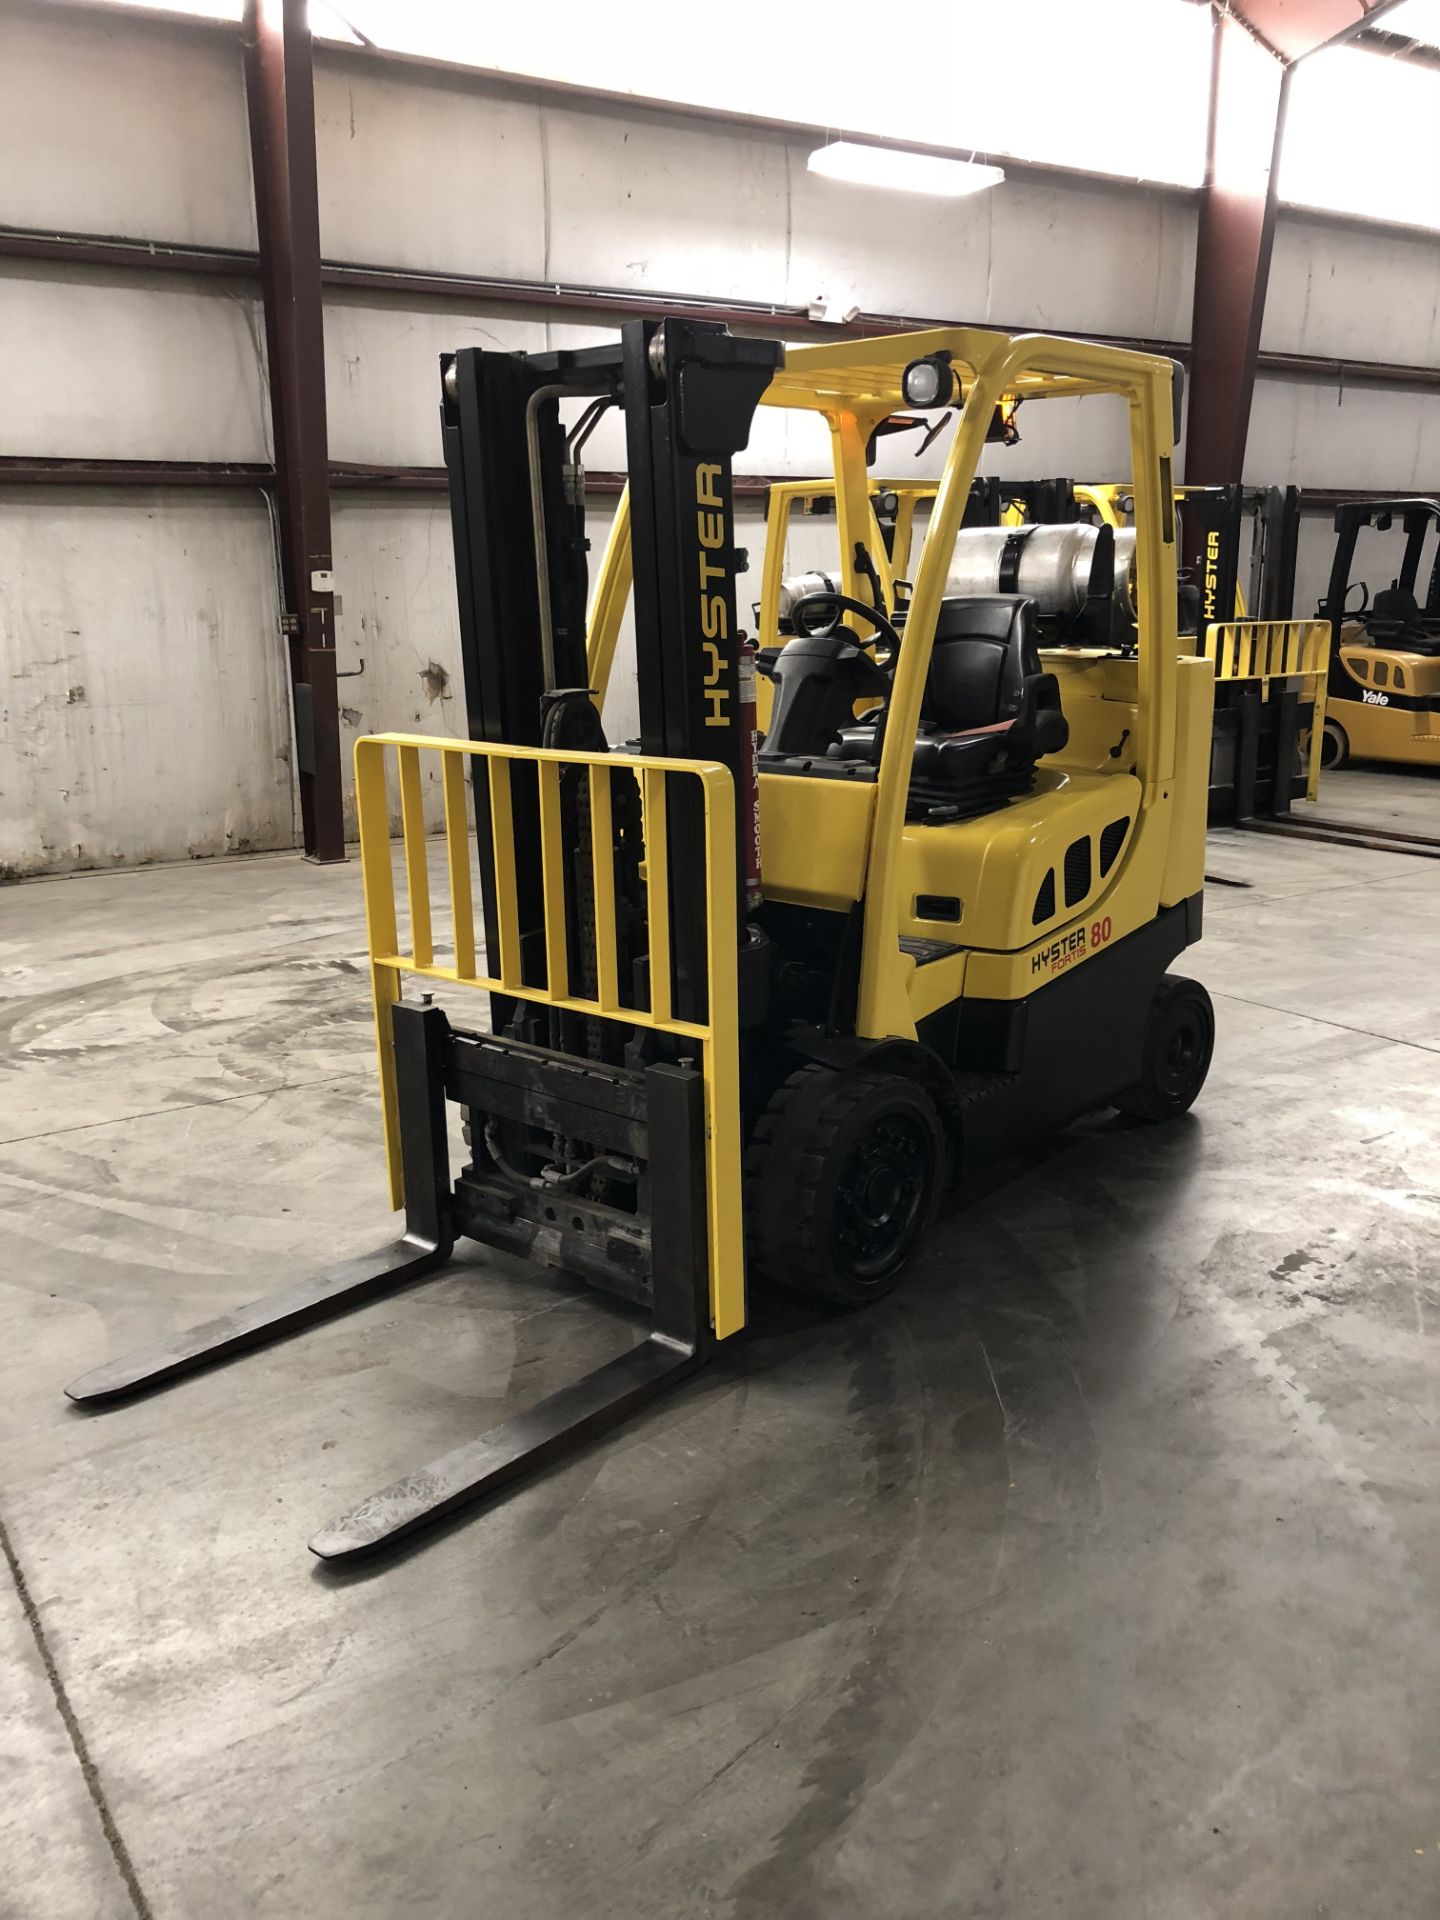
(123, 125)
(143, 705)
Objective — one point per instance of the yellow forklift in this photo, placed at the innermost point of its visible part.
(1384, 694)
(1270, 670)
(723, 1011)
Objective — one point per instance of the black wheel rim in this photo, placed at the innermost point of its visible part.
(1183, 1054)
(880, 1196)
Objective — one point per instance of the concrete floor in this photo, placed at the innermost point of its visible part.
(1095, 1576)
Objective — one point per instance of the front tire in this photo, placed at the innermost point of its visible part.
(1176, 1053)
(842, 1179)
(1334, 747)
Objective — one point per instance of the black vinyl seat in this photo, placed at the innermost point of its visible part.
(1394, 619)
(989, 712)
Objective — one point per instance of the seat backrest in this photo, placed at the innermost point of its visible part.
(1395, 604)
(985, 649)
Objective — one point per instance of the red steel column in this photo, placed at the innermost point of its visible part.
(280, 94)
(1232, 250)
(1256, 45)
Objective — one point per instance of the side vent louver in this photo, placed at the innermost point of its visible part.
(1111, 841)
(1077, 870)
(1044, 900)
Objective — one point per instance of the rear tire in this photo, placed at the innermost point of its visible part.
(1177, 1049)
(842, 1179)
(1334, 746)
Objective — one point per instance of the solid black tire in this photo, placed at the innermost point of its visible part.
(1178, 1046)
(1334, 746)
(829, 1152)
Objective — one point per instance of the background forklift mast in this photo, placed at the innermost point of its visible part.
(1213, 520)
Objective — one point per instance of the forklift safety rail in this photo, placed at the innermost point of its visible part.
(1283, 665)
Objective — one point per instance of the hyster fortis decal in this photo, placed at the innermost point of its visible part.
(1070, 947)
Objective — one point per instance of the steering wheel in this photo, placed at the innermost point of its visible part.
(843, 603)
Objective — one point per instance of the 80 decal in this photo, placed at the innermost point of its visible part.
(1100, 932)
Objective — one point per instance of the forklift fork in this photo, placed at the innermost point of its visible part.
(678, 1344)
(427, 1243)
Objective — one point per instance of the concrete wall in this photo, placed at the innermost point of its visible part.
(165, 607)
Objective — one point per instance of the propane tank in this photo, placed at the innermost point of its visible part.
(1047, 564)
(798, 585)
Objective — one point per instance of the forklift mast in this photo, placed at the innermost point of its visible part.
(688, 390)
(1217, 516)
(1274, 554)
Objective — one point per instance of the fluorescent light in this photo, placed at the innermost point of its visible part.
(904, 172)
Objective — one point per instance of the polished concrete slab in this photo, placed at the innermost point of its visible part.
(1095, 1575)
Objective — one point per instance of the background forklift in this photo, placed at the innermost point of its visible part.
(1375, 676)
(1270, 670)
(1295, 696)
(1384, 695)
(729, 1026)
(1269, 667)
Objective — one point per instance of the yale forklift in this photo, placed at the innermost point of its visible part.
(1385, 655)
(739, 1009)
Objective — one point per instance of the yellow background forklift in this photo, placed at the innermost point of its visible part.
(1270, 670)
(723, 1010)
(1384, 694)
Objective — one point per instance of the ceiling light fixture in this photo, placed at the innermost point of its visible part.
(903, 171)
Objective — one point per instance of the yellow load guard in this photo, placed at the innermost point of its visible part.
(715, 1034)
(1278, 656)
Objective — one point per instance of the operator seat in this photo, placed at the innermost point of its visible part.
(1395, 620)
(989, 711)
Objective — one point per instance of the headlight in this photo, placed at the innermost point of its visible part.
(928, 382)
